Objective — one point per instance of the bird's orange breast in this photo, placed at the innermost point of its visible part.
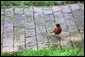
(57, 30)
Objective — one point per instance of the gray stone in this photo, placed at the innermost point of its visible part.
(29, 32)
(8, 42)
(74, 6)
(65, 9)
(56, 9)
(30, 27)
(68, 16)
(9, 12)
(2, 11)
(28, 11)
(30, 41)
(19, 10)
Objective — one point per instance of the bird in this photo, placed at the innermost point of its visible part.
(57, 30)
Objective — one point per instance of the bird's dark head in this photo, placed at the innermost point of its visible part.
(57, 25)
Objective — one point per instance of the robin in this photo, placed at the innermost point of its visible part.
(57, 30)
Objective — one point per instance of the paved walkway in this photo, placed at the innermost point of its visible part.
(30, 27)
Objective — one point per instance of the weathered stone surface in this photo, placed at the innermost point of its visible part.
(7, 49)
(37, 9)
(19, 10)
(28, 11)
(58, 14)
(30, 41)
(68, 16)
(65, 9)
(56, 8)
(8, 42)
(9, 12)
(2, 11)
(74, 6)
(30, 32)
(30, 27)
(82, 6)
(47, 10)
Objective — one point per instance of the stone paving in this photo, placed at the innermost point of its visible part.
(30, 27)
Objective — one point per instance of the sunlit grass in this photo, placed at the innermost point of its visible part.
(37, 3)
(50, 52)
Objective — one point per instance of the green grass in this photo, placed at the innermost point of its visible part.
(59, 52)
(37, 3)
(8, 4)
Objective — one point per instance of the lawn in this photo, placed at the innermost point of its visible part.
(59, 52)
(37, 3)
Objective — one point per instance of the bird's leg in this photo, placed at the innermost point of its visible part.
(58, 37)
